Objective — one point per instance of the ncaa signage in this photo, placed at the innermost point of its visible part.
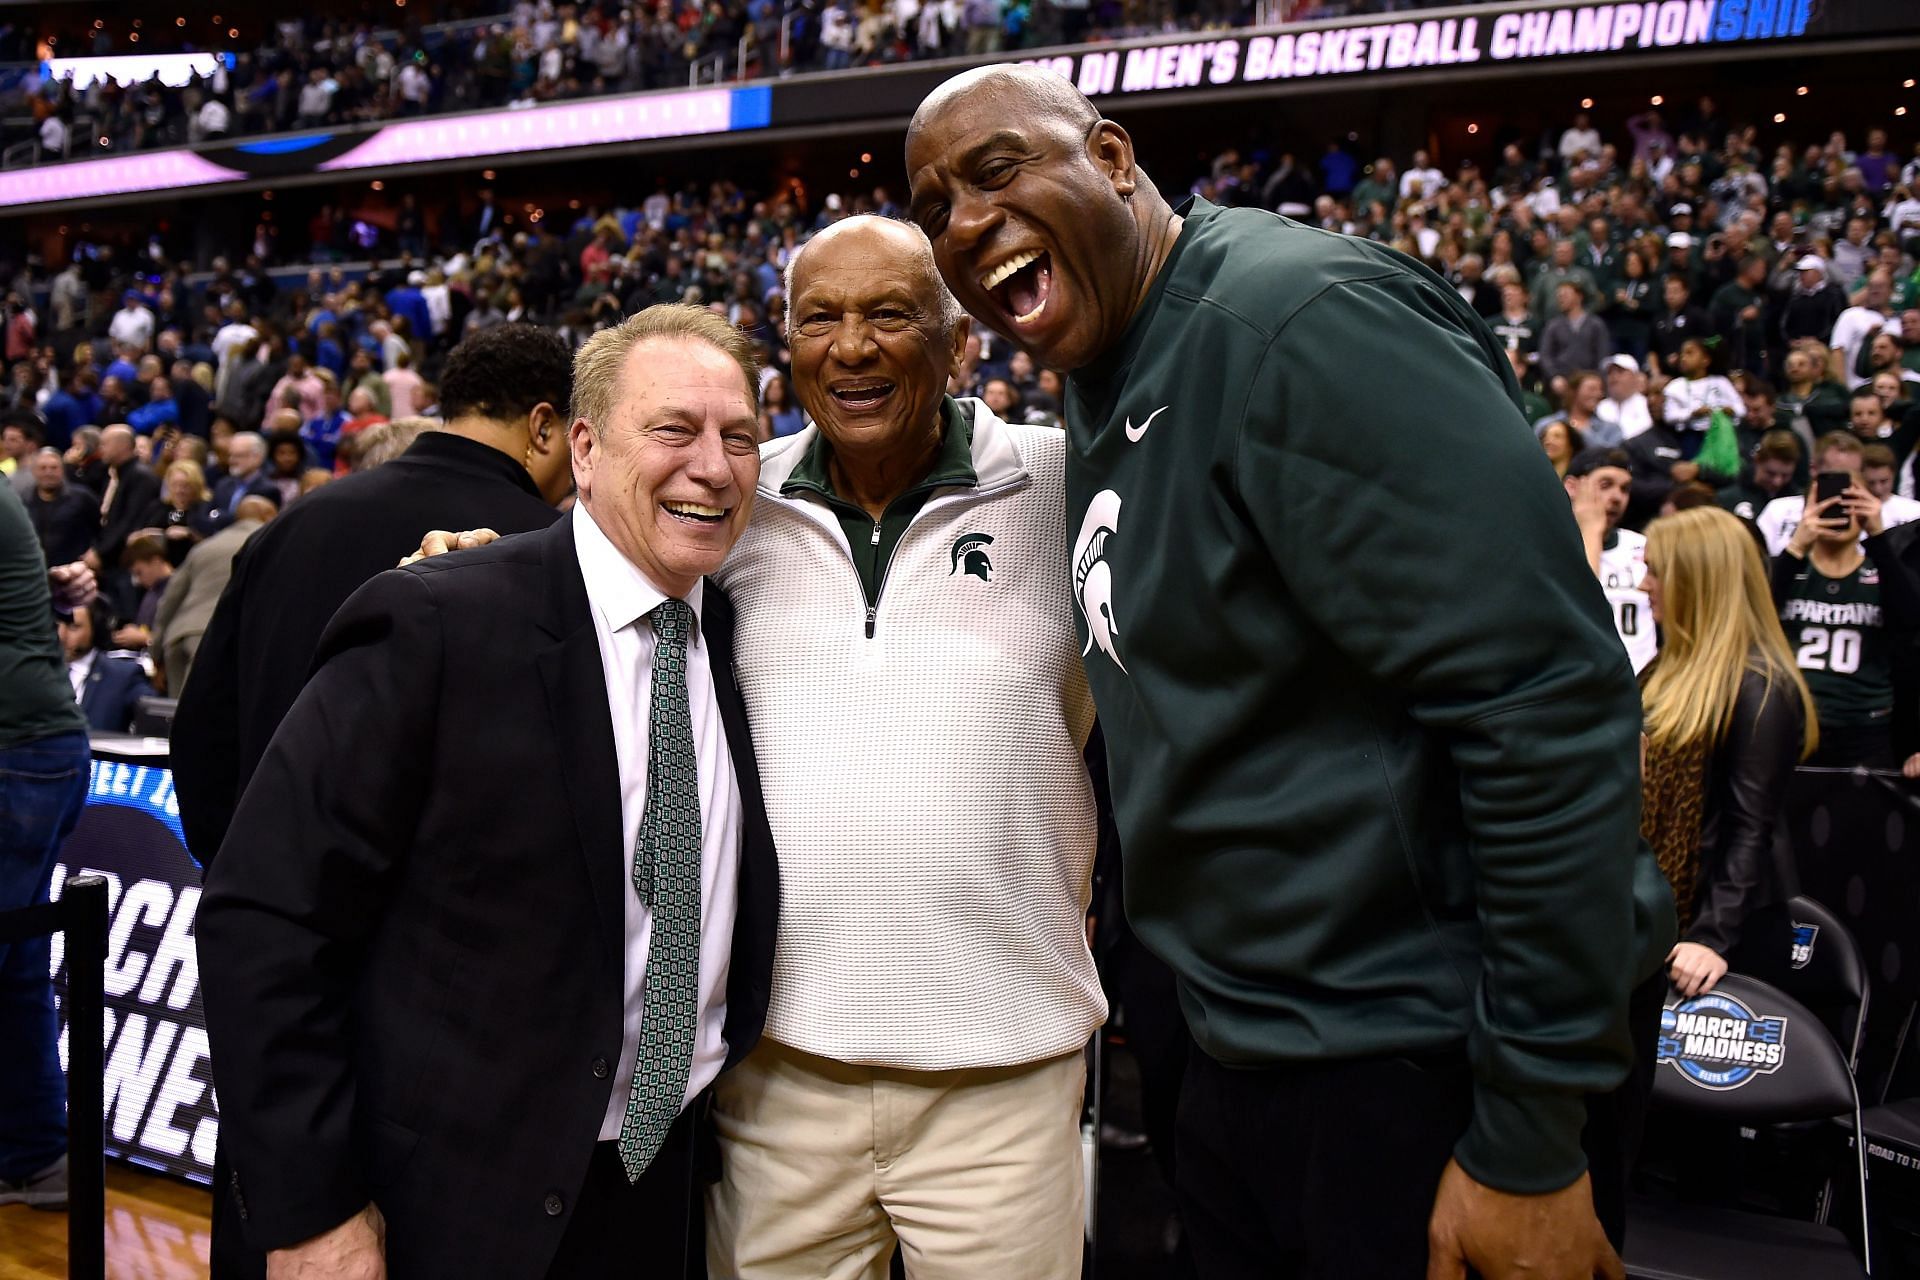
(160, 1110)
(1803, 938)
(1517, 36)
(1718, 1043)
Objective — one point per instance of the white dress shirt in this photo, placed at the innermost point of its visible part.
(77, 672)
(620, 597)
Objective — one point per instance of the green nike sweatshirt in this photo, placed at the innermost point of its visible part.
(1373, 742)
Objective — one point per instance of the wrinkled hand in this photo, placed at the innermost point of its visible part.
(1694, 969)
(73, 585)
(438, 542)
(1510, 1237)
(354, 1250)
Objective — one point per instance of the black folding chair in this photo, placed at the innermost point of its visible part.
(1808, 952)
(1725, 1067)
(81, 913)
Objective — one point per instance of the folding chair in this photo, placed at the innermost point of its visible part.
(1748, 1053)
(1809, 953)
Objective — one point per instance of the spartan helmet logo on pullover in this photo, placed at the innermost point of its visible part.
(970, 553)
(1093, 577)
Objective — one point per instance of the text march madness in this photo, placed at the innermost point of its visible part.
(160, 1108)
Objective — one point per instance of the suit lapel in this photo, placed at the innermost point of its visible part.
(759, 885)
(576, 690)
(717, 630)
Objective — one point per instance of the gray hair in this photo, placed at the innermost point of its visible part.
(384, 441)
(947, 307)
(599, 364)
(251, 439)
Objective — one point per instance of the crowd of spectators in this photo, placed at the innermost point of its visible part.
(1648, 288)
(309, 73)
(1648, 283)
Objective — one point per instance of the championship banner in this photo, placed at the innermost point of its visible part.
(1470, 42)
(160, 1109)
(1625, 26)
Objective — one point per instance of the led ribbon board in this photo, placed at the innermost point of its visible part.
(556, 127)
(1622, 27)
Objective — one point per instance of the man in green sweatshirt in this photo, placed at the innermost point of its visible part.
(1372, 739)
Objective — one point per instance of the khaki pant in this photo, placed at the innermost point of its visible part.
(176, 659)
(975, 1173)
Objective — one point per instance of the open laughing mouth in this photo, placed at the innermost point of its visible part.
(864, 395)
(694, 512)
(1021, 285)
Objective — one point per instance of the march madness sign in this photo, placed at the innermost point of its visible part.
(160, 1108)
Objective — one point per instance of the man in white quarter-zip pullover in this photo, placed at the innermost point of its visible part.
(907, 652)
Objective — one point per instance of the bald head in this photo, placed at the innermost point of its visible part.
(1042, 224)
(116, 445)
(1026, 93)
(882, 240)
(255, 507)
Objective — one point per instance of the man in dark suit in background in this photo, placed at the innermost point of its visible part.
(127, 490)
(65, 516)
(107, 686)
(499, 901)
(500, 462)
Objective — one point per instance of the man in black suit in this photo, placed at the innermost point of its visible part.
(500, 462)
(107, 686)
(500, 899)
(127, 490)
(65, 517)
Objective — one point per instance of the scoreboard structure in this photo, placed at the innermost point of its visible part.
(1470, 42)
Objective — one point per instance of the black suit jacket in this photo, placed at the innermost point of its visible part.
(411, 943)
(112, 693)
(67, 524)
(138, 488)
(288, 581)
(228, 490)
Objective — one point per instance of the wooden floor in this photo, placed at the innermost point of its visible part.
(156, 1230)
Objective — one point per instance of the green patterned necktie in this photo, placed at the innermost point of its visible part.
(666, 875)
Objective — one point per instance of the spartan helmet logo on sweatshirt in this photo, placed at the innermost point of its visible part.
(970, 553)
(1093, 576)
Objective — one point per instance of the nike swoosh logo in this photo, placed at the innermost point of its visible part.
(1134, 433)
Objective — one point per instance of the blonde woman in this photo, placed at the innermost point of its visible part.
(1727, 718)
(183, 513)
